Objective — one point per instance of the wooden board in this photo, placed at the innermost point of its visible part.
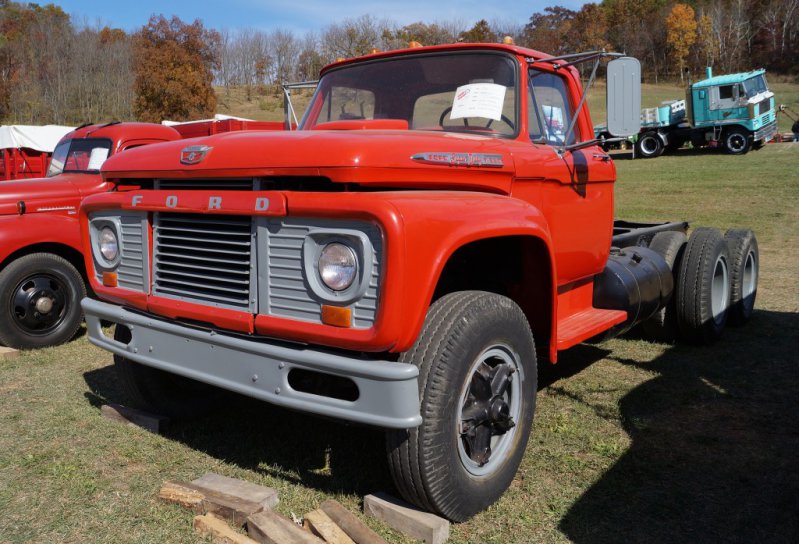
(322, 526)
(267, 527)
(220, 532)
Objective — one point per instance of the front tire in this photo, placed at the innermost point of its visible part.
(40, 298)
(477, 385)
(737, 142)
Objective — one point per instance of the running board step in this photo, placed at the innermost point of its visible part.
(585, 324)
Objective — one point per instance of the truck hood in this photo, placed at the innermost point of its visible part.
(366, 157)
(40, 195)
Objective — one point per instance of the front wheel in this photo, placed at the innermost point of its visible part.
(737, 142)
(40, 298)
(477, 385)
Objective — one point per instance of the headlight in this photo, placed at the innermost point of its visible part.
(109, 246)
(338, 266)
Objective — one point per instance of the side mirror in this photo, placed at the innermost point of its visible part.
(624, 96)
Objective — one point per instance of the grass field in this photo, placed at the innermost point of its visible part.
(633, 441)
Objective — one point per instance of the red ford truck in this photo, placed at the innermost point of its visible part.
(441, 221)
(25, 150)
(42, 274)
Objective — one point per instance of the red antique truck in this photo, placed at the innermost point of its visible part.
(441, 221)
(25, 150)
(42, 275)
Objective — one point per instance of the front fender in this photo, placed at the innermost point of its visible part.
(20, 231)
(436, 224)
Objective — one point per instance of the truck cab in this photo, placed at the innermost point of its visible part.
(441, 220)
(741, 100)
(734, 112)
(42, 276)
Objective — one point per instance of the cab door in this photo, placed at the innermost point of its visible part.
(574, 189)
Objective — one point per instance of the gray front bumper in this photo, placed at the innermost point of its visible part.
(766, 133)
(388, 391)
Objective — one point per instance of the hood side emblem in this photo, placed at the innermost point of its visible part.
(447, 158)
(194, 154)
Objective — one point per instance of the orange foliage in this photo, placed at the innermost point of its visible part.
(174, 61)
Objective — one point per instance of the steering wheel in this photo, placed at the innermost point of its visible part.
(504, 119)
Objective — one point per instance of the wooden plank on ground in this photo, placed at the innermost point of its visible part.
(406, 518)
(136, 418)
(322, 526)
(242, 489)
(182, 494)
(219, 531)
(228, 507)
(350, 524)
(8, 353)
(267, 527)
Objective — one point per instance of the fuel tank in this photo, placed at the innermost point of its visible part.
(636, 280)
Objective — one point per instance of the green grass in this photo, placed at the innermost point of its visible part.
(633, 441)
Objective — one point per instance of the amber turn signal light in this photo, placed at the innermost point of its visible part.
(338, 317)
(110, 279)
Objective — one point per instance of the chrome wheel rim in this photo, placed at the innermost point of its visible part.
(720, 290)
(749, 283)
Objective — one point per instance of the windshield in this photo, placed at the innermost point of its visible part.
(453, 92)
(84, 156)
(755, 86)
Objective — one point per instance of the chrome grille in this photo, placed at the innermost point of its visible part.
(285, 292)
(208, 259)
(132, 269)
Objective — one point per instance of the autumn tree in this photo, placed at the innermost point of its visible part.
(551, 31)
(426, 34)
(681, 33)
(481, 32)
(174, 63)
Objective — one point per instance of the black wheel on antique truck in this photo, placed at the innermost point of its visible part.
(477, 384)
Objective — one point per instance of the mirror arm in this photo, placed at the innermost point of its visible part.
(288, 107)
(589, 143)
(580, 105)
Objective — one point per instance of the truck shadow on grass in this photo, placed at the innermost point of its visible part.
(293, 447)
(326, 455)
(715, 446)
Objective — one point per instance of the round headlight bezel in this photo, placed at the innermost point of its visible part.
(337, 255)
(108, 244)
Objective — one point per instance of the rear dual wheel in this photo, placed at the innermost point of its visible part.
(703, 291)
(477, 386)
(649, 145)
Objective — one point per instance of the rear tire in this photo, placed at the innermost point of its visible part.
(466, 452)
(649, 145)
(663, 325)
(703, 289)
(162, 392)
(744, 271)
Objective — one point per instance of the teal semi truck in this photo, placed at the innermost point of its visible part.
(735, 112)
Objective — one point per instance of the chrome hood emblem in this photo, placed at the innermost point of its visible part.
(194, 154)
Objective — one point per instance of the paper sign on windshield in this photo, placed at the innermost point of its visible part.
(478, 100)
(97, 158)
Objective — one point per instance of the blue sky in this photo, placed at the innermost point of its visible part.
(299, 15)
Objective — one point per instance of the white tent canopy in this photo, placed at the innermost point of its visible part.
(217, 117)
(33, 137)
